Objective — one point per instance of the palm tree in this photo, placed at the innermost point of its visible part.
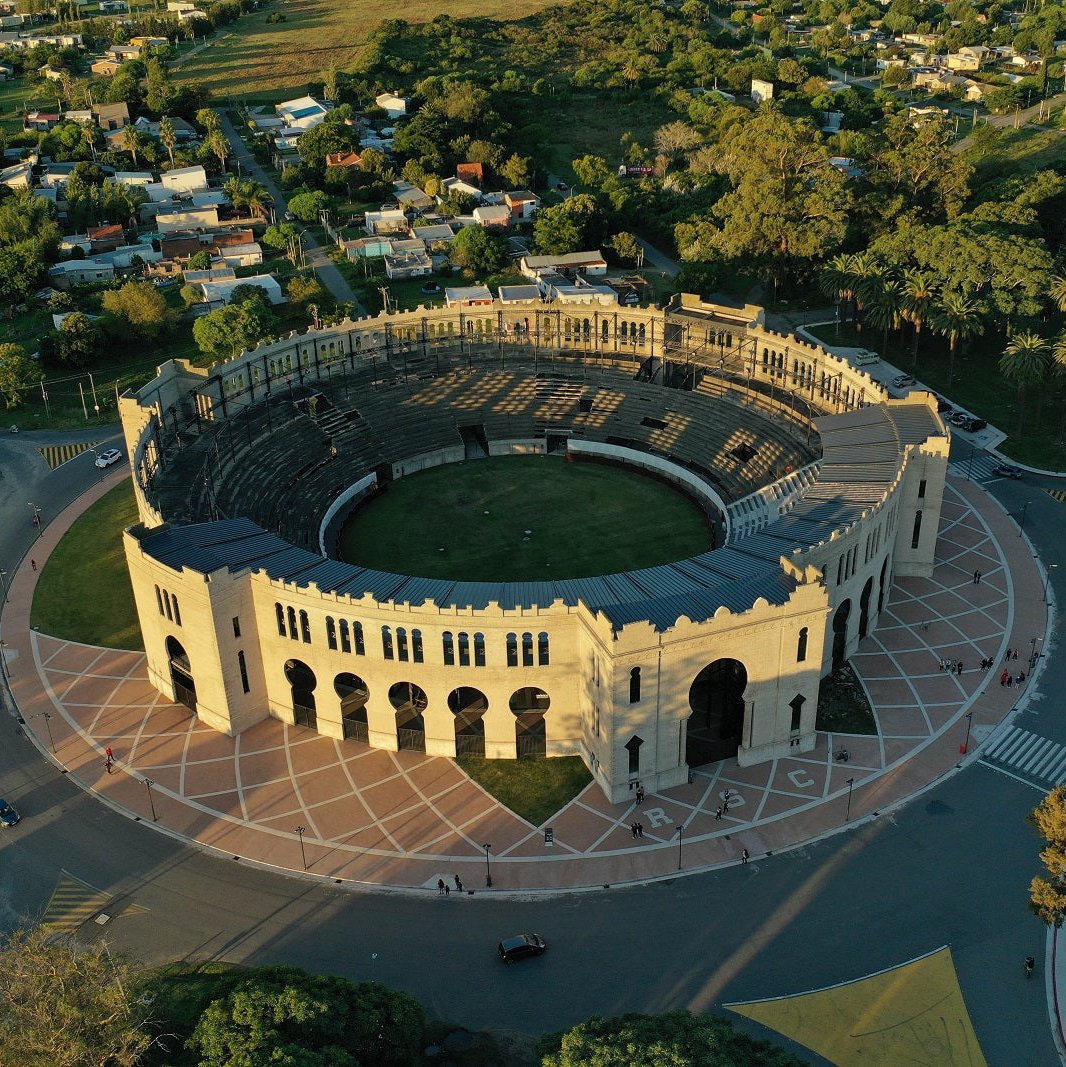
(256, 197)
(631, 72)
(884, 299)
(866, 270)
(131, 141)
(958, 318)
(1058, 356)
(1025, 361)
(168, 136)
(89, 132)
(216, 142)
(838, 280)
(1057, 291)
(919, 288)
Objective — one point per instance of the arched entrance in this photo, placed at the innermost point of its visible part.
(469, 705)
(354, 694)
(181, 674)
(410, 701)
(528, 706)
(303, 681)
(717, 720)
(840, 633)
(864, 607)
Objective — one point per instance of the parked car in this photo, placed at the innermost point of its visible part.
(959, 418)
(518, 948)
(943, 406)
(901, 381)
(8, 815)
(105, 459)
(1007, 470)
(561, 186)
(973, 424)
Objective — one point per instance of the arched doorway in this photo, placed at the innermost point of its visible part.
(881, 587)
(354, 694)
(717, 720)
(303, 681)
(528, 706)
(469, 705)
(840, 633)
(181, 674)
(864, 607)
(410, 701)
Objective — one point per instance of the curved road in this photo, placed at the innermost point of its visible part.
(951, 867)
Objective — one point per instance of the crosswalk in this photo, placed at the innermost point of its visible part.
(73, 903)
(57, 455)
(979, 467)
(1029, 754)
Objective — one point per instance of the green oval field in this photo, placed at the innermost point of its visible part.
(469, 522)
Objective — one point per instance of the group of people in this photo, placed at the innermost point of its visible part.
(1008, 679)
(952, 666)
(445, 890)
(637, 829)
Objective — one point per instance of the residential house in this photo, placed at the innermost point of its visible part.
(73, 272)
(521, 203)
(570, 264)
(410, 197)
(975, 92)
(472, 173)
(437, 233)
(136, 179)
(493, 216)
(6, 71)
(178, 6)
(111, 116)
(19, 176)
(367, 248)
(392, 104)
(12, 22)
(970, 58)
(212, 274)
(458, 185)
(55, 175)
(243, 255)
(467, 296)
(938, 81)
(105, 68)
(761, 91)
(184, 181)
(392, 220)
(172, 219)
(114, 7)
(191, 13)
(19, 42)
(149, 42)
(561, 290)
(413, 264)
(41, 121)
(302, 113)
(221, 291)
(519, 294)
(345, 159)
(53, 73)
(82, 116)
(105, 238)
(123, 53)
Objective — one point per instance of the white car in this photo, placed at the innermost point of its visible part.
(105, 459)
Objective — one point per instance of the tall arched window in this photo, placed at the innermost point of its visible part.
(331, 632)
(542, 649)
(801, 646)
(292, 624)
(159, 601)
(243, 668)
(917, 532)
(464, 650)
(401, 644)
(357, 635)
(279, 611)
(527, 650)
(386, 642)
(346, 641)
(166, 599)
(177, 610)
(512, 650)
(448, 643)
(305, 628)
(634, 685)
(479, 650)
(416, 645)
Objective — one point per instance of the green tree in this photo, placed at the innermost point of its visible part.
(592, 171)
(919, 294)
(78, 341)
(131, 141)
(305, 289)
(284, 1015)
(68, 1004)
(517, 171)
(17, 373)
(199, 260)
(141, 308)
(478, 251)
(215, 142)
(208, 119)
(1057, 292)
(307, 206)
(228, 330)
(625, 247)
(958, 318)
(168, 136)
(676, 1039)
(575, 225)
(1047, 895)
(1025, 362)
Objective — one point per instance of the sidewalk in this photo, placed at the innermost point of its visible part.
(403, 820)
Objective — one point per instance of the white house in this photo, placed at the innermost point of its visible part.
(389, 221)
(519, 294)
(392, 104)
(467, 296)
(20, 176)
(221, 291)
(184, 181)
(80, 271)
(246, 255)
(302, 113)
(133, 178)
(493, 216)
(569, 264)
(170, 220)
(761, 90)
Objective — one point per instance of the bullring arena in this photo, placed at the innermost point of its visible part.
(820, 490)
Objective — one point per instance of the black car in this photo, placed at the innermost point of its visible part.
(8, 815)
(973, 425)
(1007, 470)
(518, 948)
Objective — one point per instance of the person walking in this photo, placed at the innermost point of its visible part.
(33, 564)
(633, 829)
(976, 577)
(744, 856)
(1014, 654)
(440, 887)
(640, 794)
(1004, 676)
(458, 884)
(718, 814)
(447, 890)
(640, 829)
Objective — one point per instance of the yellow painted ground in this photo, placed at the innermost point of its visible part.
(57, 455)
(1058, 494)
(912, 1014)
(73, 903)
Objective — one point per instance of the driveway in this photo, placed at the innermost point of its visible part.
(317, 256)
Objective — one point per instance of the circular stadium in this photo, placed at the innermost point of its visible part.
(641, 536)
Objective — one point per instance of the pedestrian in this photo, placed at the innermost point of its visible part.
(725, 804)
(1014, 654)
(1007, 660)
(640, 794)
(941, 665)
(718, 814)
(1004, 676)
(109, 754)
(1010, 680)
(633, 829)
(33, 564)
(440, 887)
(744, 856)
(1021, 677)
(447, 890)
(109, 764)
(458, 884)
(976, 577)
(960, 667)
(640, 829)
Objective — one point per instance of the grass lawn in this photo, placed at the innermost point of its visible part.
(534, 789)
(254, 60)
(84, 592)
(470, 521)
(842, 704)
(980, 388)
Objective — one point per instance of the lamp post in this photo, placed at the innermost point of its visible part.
(969, 468)
(151, 800)
(3, 662)
(680, 841)
(851, 785)
(300, 831)
(488, 869)
(36, 518)
(1047, 577)
(48, 727)
(1021, 522)
(3, 583)
(969, 723)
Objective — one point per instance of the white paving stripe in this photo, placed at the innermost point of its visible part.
(1029, 753)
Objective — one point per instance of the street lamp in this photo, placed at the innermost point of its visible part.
(3, 583)
(300, 831)
(1047, 577)
(151, 800)
(36, 518)
(1021, 522)
(48, 727)
(851, 785)
(969, 469)
(488, 870)
(3, 662)
(969, 723)
(680, 841)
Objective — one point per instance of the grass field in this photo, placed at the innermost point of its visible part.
(467, 522)
(534, 789)
(254, 60)
(84, 592)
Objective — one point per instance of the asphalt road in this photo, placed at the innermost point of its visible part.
(952, 867)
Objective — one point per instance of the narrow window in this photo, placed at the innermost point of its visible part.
(512, 650)
(159, 599)
(244, 672)
(292, 623)
(346, 641)
(916, 535)
(386, 642)
(840, 570)
(357, 633)
(464, 650)
(416, 645)
(796, 704)
(921, 489)
(634, 685)
(633, 747)
(542, 649)
(331, 633)
(527, 650)
(801, 646)
(236, 626)
(449, 649)
(479, 650)
(305, 628)
(401, 644)
(177, 611)
(280, 612)
(166, 604)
